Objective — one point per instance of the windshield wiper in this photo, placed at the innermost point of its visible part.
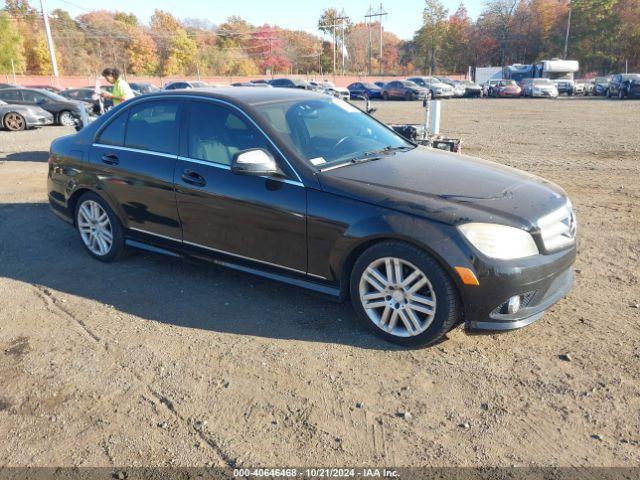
(368, 156)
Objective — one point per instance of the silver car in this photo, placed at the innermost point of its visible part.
(22, 117)
(539, 87)
(435, 86)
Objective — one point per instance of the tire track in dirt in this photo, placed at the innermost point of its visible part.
(52, 306)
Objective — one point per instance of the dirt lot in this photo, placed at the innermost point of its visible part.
(156, 361)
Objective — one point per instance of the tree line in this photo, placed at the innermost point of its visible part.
(603, 35)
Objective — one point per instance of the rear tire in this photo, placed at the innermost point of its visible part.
(14, 122)
(99, 228)
(415, 314)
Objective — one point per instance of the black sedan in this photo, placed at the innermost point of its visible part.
(65, 111)
(364, 89)
(87, 95)
(307, 189)
(404, 90)
(184, 85)
(290, 83)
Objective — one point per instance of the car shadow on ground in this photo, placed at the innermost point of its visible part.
(38, 248)
(35, 156)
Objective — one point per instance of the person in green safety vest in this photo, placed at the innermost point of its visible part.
(121, 89)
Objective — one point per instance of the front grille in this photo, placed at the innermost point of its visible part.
(558, 228)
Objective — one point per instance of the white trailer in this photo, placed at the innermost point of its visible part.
(484, 74)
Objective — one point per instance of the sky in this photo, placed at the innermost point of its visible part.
(404, 16)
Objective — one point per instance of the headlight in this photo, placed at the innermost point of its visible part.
(499, 241)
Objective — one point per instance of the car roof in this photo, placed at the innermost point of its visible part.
(244, 95)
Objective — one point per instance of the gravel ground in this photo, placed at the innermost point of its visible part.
(156, 361)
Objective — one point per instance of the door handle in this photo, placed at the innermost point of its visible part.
(110, 159)
(193, 178)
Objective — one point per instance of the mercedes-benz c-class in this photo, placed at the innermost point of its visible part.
(308, 189)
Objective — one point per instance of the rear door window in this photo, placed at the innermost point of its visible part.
(153, 126)
(113, 134)
(33, 97)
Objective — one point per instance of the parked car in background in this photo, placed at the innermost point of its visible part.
(364, 89)
(23, 117)
(329, 88)
(86, 95)
(506, 88)
(404, 90)
(260, 80)
(380, 84)
(602, 85)
(471, 89)
(290, 83)
(538, 87)
(8, 85)
(49, 88)
(458, 89)
(250, 84)
(583, 87)
(144, 87)
(435, 86)
(624, 85)
(64, 111)
(487, 87)
(419, 240)
(183, 85)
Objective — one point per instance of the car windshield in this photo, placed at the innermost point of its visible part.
(409, 83)
(509, 83)
(631, 76)
(370, 85)
(542, 81)
(329, 132)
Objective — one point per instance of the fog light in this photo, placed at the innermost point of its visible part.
(513, 305)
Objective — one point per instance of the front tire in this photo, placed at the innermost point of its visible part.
(99, 228)
(401, 293)
(14, 122)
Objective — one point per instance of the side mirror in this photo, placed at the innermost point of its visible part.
(254, 161)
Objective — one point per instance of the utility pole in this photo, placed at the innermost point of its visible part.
(379, 14)
(333, 26)
(566, 38)
(343, 16)
(47, 28)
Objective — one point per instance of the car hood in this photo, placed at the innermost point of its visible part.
(447, 187)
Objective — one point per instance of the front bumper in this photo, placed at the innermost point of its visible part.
(541, 281)
(541, 301)
(39, 121)
(545, 94)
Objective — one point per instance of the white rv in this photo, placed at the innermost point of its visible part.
(560, 71)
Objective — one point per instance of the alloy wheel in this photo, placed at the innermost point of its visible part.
(95, 228)
(14, 122)
(66, 119)
(397, 297)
